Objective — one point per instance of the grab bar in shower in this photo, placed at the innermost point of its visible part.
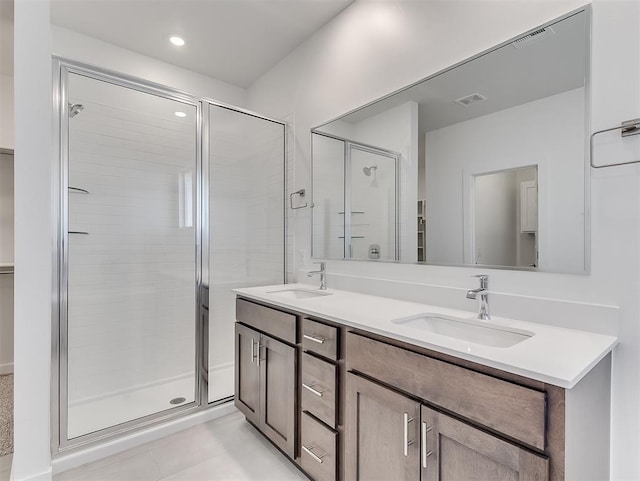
(78, 190)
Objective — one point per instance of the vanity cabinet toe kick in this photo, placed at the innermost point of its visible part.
(355, 406)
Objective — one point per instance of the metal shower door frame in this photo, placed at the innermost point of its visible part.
(62, 68)
(346, 165)
(349, 147)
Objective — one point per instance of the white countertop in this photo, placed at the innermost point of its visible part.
(552, 355)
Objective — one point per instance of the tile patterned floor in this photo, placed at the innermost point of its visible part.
(227, 449)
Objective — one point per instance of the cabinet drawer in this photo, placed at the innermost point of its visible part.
(320, 338)
(318, 456)
(278, 324)
(516, 411)
(319, 388)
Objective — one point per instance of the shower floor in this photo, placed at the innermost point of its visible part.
(94, 415)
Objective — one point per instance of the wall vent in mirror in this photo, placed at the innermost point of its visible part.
(533, 37)
(498, 183)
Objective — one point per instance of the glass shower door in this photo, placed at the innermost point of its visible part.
(129, 247)
(246, 225)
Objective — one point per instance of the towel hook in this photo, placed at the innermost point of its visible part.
(301, 193)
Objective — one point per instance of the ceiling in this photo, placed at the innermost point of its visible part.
(236, 41)
(507, 77)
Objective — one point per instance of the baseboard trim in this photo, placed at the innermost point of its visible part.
(6, 368)
(45, 476)
(77, 458)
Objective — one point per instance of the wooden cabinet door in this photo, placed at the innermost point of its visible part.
(381, 433)
(278, 372)
(247, 379)
(455, 451)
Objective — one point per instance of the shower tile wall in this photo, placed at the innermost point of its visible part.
(246, 226)
(246, 200)
(132, 279)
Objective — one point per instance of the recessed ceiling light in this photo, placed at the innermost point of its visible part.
(177, 41)
(180, 114)
(470, 99)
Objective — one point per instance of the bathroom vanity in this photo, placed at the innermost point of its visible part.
(358, 387)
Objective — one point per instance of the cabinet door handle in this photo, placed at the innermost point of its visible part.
(310, 452)
(258, 353)
(319, 340)
(310, 387)
(407, 443)
(425, 453)
(253, 350)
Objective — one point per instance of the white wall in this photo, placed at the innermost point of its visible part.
(33, 241)
(372, 49)
(549, 133)
(6, 112)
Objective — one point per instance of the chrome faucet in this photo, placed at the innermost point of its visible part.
(484, 296)
(323, 275)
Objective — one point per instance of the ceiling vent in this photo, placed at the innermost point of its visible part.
(470, 99)
(533, 37)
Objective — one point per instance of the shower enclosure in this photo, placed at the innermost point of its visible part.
(166, 203)
(355, 200)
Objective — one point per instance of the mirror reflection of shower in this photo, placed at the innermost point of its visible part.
(75, 109)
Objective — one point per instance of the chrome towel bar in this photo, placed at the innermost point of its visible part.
(628, 128)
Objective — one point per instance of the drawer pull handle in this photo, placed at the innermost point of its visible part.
(310, 452)
(425, 453)
(407, 443)
(310, 387)
(319, 340)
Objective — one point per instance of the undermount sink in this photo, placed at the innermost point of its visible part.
(298, 293)
(479, 332)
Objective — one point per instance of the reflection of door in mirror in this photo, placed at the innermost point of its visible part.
(505, 213)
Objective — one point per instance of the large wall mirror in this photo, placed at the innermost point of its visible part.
(481, 164)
